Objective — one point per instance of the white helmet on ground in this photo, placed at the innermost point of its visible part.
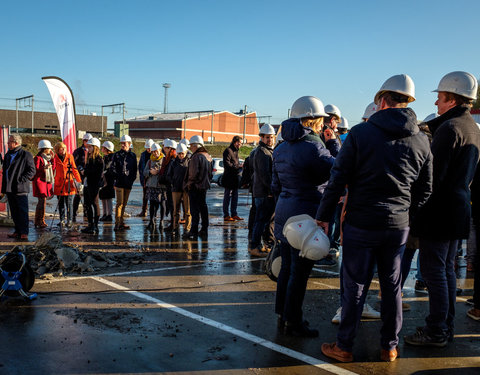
(44, 143)
(197, 140)
(307, 106)
(460, 83)
(126, 138)
(431, 116)
(401, 84)
(343, 124)
(333, 110)
(181, 148)
(148, 143)
(185, 142)
(369, 111)
(108, 145)
(267, 129)
(87, 137)
(94, 142)
(155, 147)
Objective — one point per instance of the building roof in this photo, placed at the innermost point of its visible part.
(179, 116)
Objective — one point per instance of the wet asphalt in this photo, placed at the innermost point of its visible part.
(200, 307)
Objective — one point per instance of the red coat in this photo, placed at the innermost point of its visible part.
(41, 188)
(61, 168)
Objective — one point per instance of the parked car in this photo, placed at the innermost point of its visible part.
(217, 169)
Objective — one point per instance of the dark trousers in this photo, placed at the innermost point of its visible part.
(90, 198)
(65, 201)
(334, 228)
(198, 208)
(292, 284)
(362, 249)
(251, 217)
(408, 255)
(19, 209)
(265, 210)
(476, 280)
(437, 260)
(230, 198)
(76, 202)
(144, 199)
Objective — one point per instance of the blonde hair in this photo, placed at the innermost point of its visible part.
(95, 152)
(313, 123)
(58, 146)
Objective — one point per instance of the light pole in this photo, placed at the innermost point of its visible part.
(24, 102)
(165, 101)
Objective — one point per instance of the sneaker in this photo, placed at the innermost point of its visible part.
(13, 235)
(389, 355)
(328, 261)
(236, 217)
(469, 302)
(228, 218)
(300, 330)
(474, 314)
(338, 316)
(333, 351)
(369, 312)
(422, 338)
(420, 285)
(334, 252)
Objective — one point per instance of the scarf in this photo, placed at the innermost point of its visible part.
(49, 178)
(154, 159)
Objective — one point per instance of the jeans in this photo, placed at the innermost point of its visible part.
(408, 255)
(362, 249)
(90, 199)
(19, 209)
(476, 275)
(265, 209)
(334, 228)
(230, 198)
(65, 201)
(198, 208)
(437, 259)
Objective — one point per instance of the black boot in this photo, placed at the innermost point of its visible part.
(95, 225)
(89, 229)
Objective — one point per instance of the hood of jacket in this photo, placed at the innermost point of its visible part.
(456, 111)
(399, 122)
(293, 130)
(202, 150)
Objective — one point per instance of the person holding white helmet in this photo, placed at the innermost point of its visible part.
(124, 170)
(80, 157)
(154, 193)
(387, 165)
(107, 191)
(43, 180)
(93, 181)
(197, 182)
(144, 157)
(445, 219)
(230, 179)
(301, 165)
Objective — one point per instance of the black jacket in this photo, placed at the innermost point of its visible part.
(124, 169)
(232, 168)
(262, 161)
(177, 170)
(93, 173)
(107, 191)
(387, 165)
(79, 157)
(455, 148)
(17, 175)
(199, 171)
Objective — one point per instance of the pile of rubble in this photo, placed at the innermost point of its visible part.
(49, 256)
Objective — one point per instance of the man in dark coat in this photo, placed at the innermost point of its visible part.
(80, 157)
(18, 170)
(230, 179)
(387, 165)
(144, 157)
(445, 218)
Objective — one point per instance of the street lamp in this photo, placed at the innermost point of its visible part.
(165, 102)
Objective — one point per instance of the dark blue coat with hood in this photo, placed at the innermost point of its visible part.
(301, 168)
(387, 164)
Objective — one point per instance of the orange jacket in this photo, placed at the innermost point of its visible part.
(61, 186)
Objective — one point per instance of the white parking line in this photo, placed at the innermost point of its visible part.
(245, 335)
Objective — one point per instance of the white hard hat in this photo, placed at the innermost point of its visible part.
(343, 124)
(431, 116)
(44, 143)
(169, 143)
(185, 142)
(148, 143)
(126, 138)
(297, 228)
(181, 148)
(316, 246)
(401, 84)
(307, 106)
(197, 139)
(267, 129)
(155, 147)
(460, 83)
(94, 142)
(108, 145)
(333, 110)
(370, 110)
(87, 137)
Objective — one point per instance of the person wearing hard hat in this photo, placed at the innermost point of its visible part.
(197, 182)
(186, 142)
(144, 157)
(301, 165)
(166, 207)
(124, 170)
(231, 179)
(154, 193)
(107, 192)
(343, 129)
(42, 182)
(330, 125)
(261, 163)
(369, 111)
(80, 157)
(387, 164)
(445, 219)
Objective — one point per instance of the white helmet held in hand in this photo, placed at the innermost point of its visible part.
(197, 140)
(94, 142)
(44, 143)
(369, 111)
(267, 129)
(307, 106)
(460, 83)
(185, 142)
(155, 147)
(400, 83)
(316, 246)
(343, 124)
(333, 110)
(126, 138)
(148, 143)
(87, 137)
(108, 145)
(181, 148)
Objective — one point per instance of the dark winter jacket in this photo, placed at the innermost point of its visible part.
(107, 191)
(301, 167)
(387, 164)
(232, 168)
(176, 173)
(124, 169)
(333, 145)
(144, 157)
(93, 174)
(199, 171)
(262, 171)
(17, 174)
(455, 148)
(80, 155)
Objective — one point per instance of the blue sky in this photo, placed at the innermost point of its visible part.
(223, 55)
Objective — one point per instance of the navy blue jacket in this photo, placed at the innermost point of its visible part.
(387, 165)
(177, 169)
(301, 168)
(124, 169)
(17, 175)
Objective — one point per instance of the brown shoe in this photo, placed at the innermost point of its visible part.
(228, 218)
(389, 355)
(142, 214)
(124, 227)
(333, 351)
(406, 307)
(12, 235)
(474, 314)
(23, 237)
(257, 253)
(238, 218)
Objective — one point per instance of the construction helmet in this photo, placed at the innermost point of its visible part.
(126, 138)
(333, 110)
(185, 142)
(196, 139)
(343, 124)
(267, 129)
(460, 83)
(431, 116)
(181, 148)
(149, 143)
(316, 246)
(297, 228)
(44, 144)
(155, 147)
(400, 83)
(307, 106)
(94, 142)
(108, 145)
(169, 143)
(87, 136)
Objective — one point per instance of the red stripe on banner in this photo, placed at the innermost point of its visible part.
(71, 140)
